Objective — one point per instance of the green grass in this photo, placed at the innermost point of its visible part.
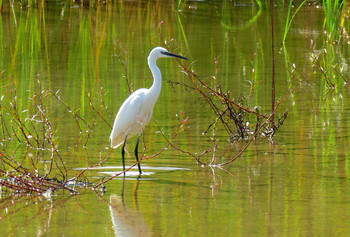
(333, 11)
(290, 19)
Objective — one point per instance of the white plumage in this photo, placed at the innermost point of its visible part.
(136, 111)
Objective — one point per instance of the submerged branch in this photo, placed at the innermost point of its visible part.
(23, 181)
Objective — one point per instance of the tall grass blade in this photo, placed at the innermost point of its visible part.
(289, 21)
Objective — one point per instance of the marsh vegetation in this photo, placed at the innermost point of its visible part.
(258, 116)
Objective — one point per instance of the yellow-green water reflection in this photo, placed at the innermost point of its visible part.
(297, 186)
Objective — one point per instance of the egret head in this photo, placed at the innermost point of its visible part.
(160, 52)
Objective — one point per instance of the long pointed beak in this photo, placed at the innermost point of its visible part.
(173, 55)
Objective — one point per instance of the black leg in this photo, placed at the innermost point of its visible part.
(123, 153)
(136, 153)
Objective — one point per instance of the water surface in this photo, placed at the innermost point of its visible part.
(296, 185)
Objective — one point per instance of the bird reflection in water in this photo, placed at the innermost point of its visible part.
(127, 221)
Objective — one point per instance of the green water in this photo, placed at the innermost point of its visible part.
(297, 185)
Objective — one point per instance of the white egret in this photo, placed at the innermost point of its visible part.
(136, 111)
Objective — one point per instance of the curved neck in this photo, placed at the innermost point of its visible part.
(154, 90)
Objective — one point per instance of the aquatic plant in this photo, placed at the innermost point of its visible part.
(18, 179)
(333, 13)
(30, 132)
(238, 119)
(238, 111)
(290, 18)
(328, 61)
